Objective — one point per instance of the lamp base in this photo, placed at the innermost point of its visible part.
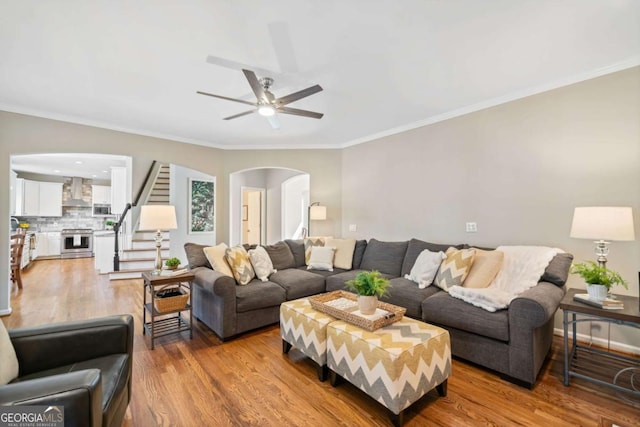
(158, 263)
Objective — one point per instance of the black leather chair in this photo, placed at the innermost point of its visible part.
(84, 366)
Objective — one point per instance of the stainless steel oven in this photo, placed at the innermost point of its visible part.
(76, 243)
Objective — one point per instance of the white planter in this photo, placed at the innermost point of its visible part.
(597, 292)
(367, 304)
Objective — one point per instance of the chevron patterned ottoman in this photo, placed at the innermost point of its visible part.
(396, 364)
(306, 329)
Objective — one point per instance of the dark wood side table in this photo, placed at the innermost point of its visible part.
(167, 324)
(596, 365)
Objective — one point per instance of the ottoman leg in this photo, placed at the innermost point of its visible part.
(397, 420)
(442, 389)
(322, 372)
(285, 347)
(334, 379)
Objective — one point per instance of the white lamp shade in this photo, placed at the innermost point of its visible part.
(603, 223)
(318, 213)
(158, 217)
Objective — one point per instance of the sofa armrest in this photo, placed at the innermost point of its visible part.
(80, 393)
(536, 306)
(49, 346)
(219, 284)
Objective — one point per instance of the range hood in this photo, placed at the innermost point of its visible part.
(76, 194)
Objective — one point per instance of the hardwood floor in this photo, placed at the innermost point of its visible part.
(248, 381)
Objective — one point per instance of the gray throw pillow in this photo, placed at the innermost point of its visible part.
(297, 249)
(358, 253)
(558, 269)
(195, 255)
(386, 257)
(281, 256)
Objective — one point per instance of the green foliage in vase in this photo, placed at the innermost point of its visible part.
(594, 274)
(369, 283)
(172, 262)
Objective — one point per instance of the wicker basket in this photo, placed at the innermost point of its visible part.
(319, 302)
(170, 299)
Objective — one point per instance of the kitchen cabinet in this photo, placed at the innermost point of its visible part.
(39, 198)
(31, 198)
(118, 189)
(48, 244)
(101, 194)
(50, 199)
(19, 197)
(12, 193)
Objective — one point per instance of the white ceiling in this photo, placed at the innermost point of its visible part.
(90, 166)
(384, 65)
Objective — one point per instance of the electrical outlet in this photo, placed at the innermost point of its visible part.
(472, 227)
(353, 227)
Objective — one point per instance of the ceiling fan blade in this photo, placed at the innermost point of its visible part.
(282, 46)
(255, 85)
(297, 112)
(274, 121)
(235, 116)
(287, 99)
(227, 98)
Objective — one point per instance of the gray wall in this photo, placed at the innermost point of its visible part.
(517, 169)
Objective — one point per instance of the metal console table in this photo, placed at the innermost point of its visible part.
(618, 372)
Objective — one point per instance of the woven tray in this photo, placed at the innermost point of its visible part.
(386, 314)
(172, 303)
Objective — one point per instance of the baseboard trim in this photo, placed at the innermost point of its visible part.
(601, 342)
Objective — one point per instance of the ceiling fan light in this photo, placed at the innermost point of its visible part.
(266, 110)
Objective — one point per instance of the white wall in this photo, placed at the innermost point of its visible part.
(275, 178)
(295, 196)
(517, 169)
(179, 197)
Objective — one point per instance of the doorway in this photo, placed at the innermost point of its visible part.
(253, 215)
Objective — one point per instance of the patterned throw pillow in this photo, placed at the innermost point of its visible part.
(240, 264)
(455, 268)
(486, 266)
(308, 244)
(261, 263)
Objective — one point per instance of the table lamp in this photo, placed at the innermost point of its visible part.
(158, 217)
(602, 223)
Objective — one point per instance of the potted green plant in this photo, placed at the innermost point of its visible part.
(599, 278)
(369, 285)
(172, 263)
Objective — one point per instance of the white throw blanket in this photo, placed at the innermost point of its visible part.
(522, 268)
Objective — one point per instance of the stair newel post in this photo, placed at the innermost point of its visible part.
(116, 231)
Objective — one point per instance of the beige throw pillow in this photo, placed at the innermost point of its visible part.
(485, 267)
(310, 242)
(321, 258)
(8, 360)
(343, 257)
(455, 268)
(261, 263)
(240, 264)
(216, 257)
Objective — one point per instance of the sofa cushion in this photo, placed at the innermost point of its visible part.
(195, 255)
(405, 293)
(336, 282)
(485, 267)
(216, 257)
(444, 310)
(321, 258)
(297, 249)
(415, 248)
(240, 264)
(358, 253)
(425, 268)
(558, 269)
(256, 294)
(8, 360)
(386, 257)
(343, 257)
(455, 268)
(324, 273)
(281, 255)
(261, 263)
(298, 283)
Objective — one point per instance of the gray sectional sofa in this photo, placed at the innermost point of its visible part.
(513, 342)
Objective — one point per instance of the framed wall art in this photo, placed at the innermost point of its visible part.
(202, 203)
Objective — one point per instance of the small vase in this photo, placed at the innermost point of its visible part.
(597, 292)
(367, 304)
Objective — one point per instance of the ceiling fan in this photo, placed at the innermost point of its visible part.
(267, 104)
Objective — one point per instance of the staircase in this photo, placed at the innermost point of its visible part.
(142, 254)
